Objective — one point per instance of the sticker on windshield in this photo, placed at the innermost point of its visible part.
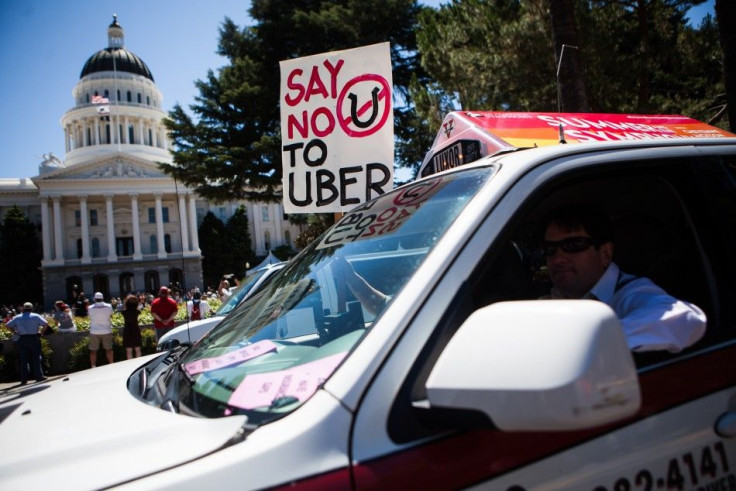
(381, 217)
(295, 384)
(232, 358)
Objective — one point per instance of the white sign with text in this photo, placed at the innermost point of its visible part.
(336, 129)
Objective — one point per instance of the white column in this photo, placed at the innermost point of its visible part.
(137, 254)
(112, 255)
(141, 140)
(97, 131)
(125, 130)
(183, 225)
(58, 244)
(67, 139)
(278, 219)
(45, 229)
(160, 228)
(257, 219)
(193, 223)
(86, 259)
(156, 129)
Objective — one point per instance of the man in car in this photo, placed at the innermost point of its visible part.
(578, 247)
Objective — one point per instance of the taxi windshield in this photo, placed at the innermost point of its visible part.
(274, 351)
(240, 292)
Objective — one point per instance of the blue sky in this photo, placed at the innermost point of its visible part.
(45, 43)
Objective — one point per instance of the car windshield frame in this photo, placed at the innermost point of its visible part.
(277, 348)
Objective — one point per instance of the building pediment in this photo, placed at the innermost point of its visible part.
(117, 168)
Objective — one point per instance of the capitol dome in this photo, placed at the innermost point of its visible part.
(115, 57)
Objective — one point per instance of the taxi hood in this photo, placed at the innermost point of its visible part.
(86, 431)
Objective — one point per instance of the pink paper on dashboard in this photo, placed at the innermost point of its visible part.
(261, 389)
(231, 358)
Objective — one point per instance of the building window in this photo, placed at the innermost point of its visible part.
(129, 96)
(150, 137)
(107, 94)
(89, 136)
(267, 240)
(93, 217)
(77, 218)
(152, 281)
(131, 134)
(87, 98)
(153, 243)
(95, 247)
(264, 214)
(79, 248)
(120, 133)
(124, 246)
(140, 98)
(167, 243)
(148, 100)
(108, 135)
(164, 214)
(127, 283)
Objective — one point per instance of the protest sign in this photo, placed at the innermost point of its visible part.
(336, 129)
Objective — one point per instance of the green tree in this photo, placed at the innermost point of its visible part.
(232, 144)
(238, 238)
(20, 249)
(490, 55)
(214, 245)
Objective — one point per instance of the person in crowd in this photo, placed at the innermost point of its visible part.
(27, 327)
(223, 289)
(164, 310)
(63, 317)
(131, 330)
(196, 307)
(100, 329)
(81, 305)
(578, 247)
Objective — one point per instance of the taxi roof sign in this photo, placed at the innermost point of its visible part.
(466, 136)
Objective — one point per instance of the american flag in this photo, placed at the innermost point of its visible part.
(98, 99)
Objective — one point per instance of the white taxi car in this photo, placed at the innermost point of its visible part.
(456, 376)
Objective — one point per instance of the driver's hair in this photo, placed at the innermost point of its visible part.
(590, 217)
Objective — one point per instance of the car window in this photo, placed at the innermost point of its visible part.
(243, 290)
(276, 348)
(668, 217)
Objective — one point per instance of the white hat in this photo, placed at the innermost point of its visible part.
(99, 296)
(28, 306)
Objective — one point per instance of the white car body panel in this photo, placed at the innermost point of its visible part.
(639, 455)
(89, 433)
(271, 455)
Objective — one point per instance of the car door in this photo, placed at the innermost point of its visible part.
(676, 212)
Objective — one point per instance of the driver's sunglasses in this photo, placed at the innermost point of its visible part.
(570, 245)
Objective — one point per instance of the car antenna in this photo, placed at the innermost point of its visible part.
(559, 91)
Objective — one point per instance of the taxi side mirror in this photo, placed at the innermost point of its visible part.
(549, 365)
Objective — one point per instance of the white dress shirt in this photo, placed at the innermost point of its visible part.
(651, 318)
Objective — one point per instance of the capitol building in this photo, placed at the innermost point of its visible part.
(110, 220)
